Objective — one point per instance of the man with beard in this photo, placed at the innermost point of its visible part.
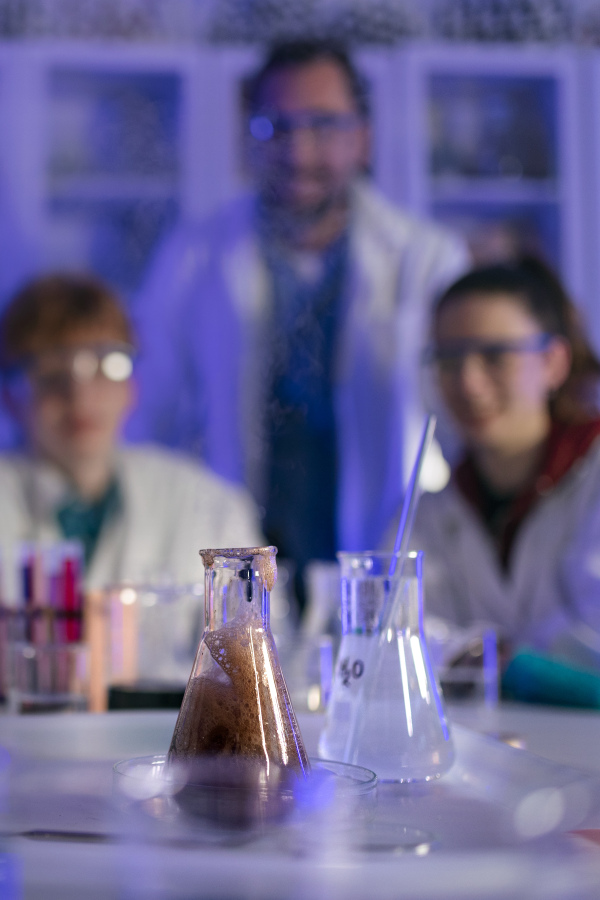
(287, 349)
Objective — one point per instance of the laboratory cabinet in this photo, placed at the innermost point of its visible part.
(110, 144)
(101, 159)
(493, 141)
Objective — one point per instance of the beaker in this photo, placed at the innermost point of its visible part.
(385, 711)
(236, 702)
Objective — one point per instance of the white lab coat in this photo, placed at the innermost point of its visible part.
(550, 596)
(204, 323)
(171, 508)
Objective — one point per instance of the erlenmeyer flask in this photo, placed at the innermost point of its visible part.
(385, 711)
(236, 703)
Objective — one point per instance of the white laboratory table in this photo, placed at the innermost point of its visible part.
(570, 737)
(60, 783)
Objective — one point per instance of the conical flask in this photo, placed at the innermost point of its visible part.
(236, 703)
(385, 711)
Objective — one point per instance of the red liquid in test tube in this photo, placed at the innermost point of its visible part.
(71, 597)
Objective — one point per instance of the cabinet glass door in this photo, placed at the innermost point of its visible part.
(493, 166)
(113, 168)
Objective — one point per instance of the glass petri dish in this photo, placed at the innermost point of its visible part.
(349, 779)
(234, 794)
(146, 777)
(334, 807)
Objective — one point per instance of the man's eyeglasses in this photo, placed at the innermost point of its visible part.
(270, 127)
(53, 372)
(449, 358)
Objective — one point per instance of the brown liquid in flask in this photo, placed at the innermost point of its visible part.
(236, 703)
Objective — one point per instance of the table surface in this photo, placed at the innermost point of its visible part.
(570, 737)
(75, 754)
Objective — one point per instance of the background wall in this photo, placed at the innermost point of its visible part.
(120, 117)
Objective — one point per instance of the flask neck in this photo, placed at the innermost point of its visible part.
(369, 591)
(235, 587)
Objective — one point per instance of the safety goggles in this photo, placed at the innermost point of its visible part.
(271, 127)
(450, 357)
(53, 372)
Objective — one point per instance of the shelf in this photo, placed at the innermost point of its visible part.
(492, 190)
(98, 188)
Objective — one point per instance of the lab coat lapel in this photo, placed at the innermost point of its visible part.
(367, 400)
(117, 541)
(233, 327)
(542, 585)
(477, 567)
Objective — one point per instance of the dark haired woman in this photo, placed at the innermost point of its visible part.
(514, 539)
